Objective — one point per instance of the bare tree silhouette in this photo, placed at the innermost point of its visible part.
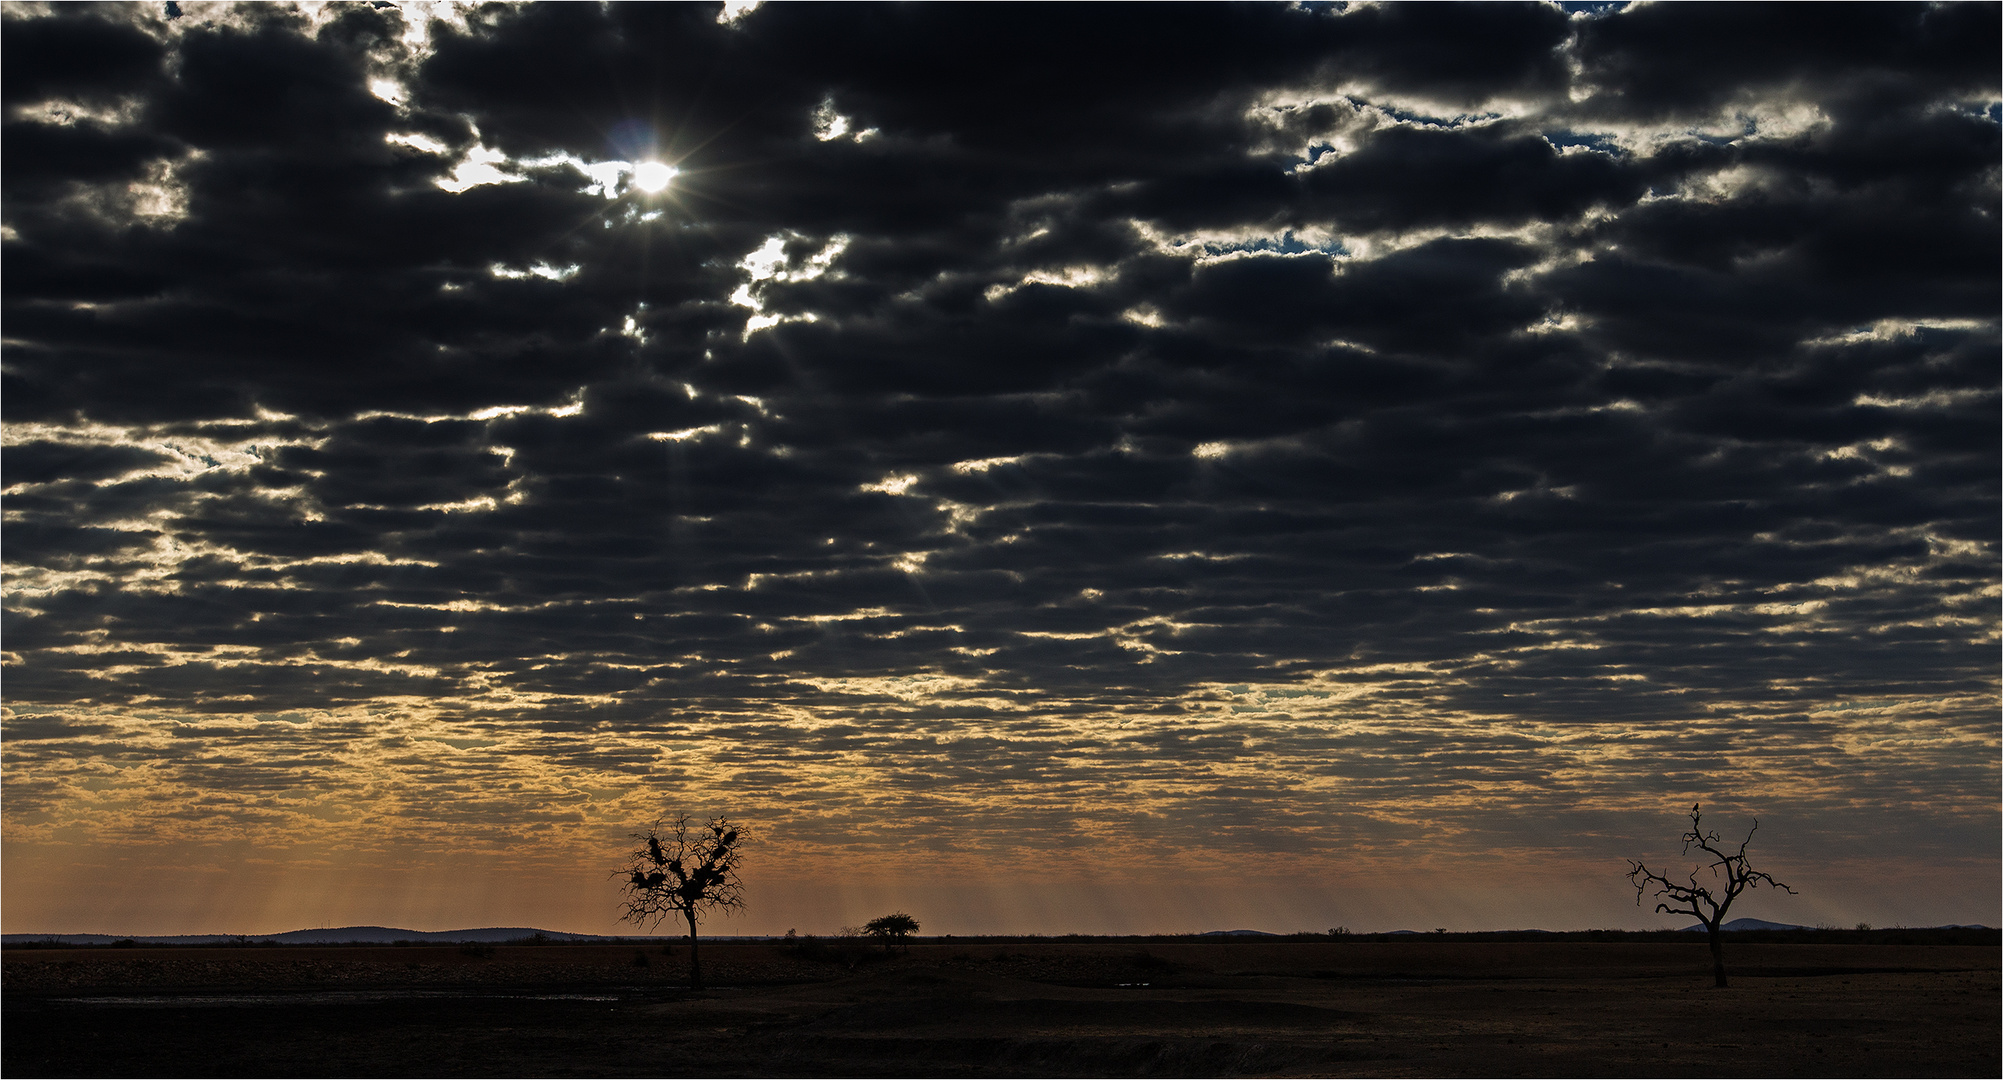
(685, 872)
(1736, 875)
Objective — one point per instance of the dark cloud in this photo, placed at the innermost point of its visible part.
(1663, 59)
(1185, 418)
(77, 52)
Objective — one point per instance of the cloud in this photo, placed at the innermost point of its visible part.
(1376, 436)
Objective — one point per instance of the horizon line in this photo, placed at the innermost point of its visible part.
(529, 932)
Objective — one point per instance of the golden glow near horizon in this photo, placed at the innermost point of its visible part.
(1339, 785)
(1351, 776)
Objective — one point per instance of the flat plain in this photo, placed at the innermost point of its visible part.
(1419, 1007)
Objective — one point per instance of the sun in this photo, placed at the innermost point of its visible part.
(652, 176)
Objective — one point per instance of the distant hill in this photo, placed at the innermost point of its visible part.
(339, 935)
(495, 935)
(346, 935)
(1753, 924)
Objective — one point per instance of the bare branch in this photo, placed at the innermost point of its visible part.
(1734, 870)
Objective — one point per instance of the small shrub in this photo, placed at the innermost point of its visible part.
(851, 949)
(640, 959)
(479, 950)
(847, 948)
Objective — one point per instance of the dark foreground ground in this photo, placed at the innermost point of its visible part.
(1046, 1009)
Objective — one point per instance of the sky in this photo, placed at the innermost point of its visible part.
(1046, 469)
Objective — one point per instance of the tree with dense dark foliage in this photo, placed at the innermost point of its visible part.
(1734, 872)
(686, 872)
(891, 929)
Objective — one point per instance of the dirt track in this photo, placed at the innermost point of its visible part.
(1291, 1009)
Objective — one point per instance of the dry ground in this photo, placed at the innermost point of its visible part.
(1419, 1008)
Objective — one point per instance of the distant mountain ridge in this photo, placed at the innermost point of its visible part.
(337, 935)
(496, 935)
(1754, 924)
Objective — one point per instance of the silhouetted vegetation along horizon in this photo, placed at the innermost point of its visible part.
(1828, 935)
(893, 930)
(1824, 935)
(846, 947)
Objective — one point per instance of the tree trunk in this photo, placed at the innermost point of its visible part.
(1717, 953)
(695, 959)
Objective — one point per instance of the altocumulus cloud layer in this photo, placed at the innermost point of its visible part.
(1016, 448)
